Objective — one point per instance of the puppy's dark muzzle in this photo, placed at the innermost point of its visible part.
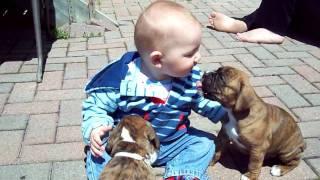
(212, 84)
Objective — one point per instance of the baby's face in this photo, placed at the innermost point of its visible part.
(182, 52)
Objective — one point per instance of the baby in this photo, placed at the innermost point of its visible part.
(159, 83)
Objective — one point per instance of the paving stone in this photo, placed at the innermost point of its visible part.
(218, 52)
(115, 53)
(70, 113)
(310, 129)
(112, 34)
(58, 52)
(106, 46)
(23, 92)
(41, 129)
(13, 122)
(51, 81)
(54, 67)
(261, 53)
(238, 66)
(237, 44)
(303, 171)
(224, 170)
(249, 60)
(216, 59)
(313, 62)
(77, 46)
(32, 108)
(312, 150)
(29, 68)
(266, 80)
(5, 87)
(22, 77)
(66, 60)
(273, 48)
(10, 67)
(60, 43)
(300, 84)
(74, 83)
(60, 94)
(204, 124)
(308, 113)
(270, 71)
(71, 170)
(292, 54)
(69, 134)
(3, 100)
(309, 73)
(211, 43)
(75, 70)
(282, 62)
(96, 40)
(315, 53)
(91, 52)
(263, 91)
(10, 146)
(26, 171)
(313, 98)
(209, 66)
(301, 47)
(97, 62)
(315, 163)
(52, 152)
(289, 96)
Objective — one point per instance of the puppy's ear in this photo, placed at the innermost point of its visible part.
(113, 138)
(152, 137)
(244, 94)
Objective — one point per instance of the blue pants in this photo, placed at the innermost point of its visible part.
(187, 156)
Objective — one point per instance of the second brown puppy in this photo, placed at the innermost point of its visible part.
(133, 145)
(254, 127)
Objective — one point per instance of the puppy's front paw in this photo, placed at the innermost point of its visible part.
(275, 171)
(244, 177)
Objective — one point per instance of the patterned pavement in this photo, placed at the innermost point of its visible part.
(40, 122)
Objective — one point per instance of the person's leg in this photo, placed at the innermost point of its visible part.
(260, 35)
(273, 17)
(94, 165)
(224, 23)
(189, 156)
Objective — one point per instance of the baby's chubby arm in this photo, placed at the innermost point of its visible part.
(96, 121)
(208, 108)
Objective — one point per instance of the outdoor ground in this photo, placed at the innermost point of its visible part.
(40, 122)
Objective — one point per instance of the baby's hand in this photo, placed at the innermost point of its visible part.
(96, 146)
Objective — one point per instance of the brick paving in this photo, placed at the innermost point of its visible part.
(40, 122)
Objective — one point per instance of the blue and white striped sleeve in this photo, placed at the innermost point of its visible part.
(95, 110)
(210, 109)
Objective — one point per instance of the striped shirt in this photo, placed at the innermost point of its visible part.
(121, 89)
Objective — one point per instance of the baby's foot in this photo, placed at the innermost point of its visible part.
(260, 35)
(225, 23)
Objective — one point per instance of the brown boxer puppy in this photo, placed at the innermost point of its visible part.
(254, 127)
(133, 145)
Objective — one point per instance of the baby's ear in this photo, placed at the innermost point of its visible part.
(156, 58)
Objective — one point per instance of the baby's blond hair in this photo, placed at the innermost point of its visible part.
(157, 21)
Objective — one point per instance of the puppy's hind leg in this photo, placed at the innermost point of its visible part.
(289, 162)
(220, 146)
(280, 170)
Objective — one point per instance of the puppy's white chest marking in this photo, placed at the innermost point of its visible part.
(126, 135)
(231, 129)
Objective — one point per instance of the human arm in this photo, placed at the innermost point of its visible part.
(96, 117)
(208, 108)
